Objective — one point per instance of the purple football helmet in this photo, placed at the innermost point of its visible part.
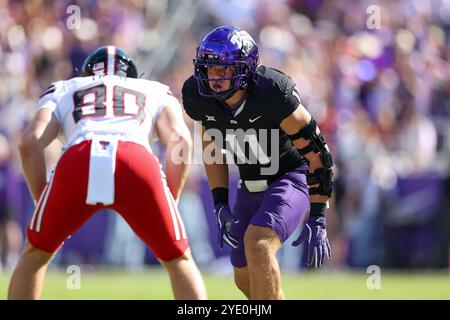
(226, 46)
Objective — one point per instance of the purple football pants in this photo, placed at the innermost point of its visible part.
(281, 208)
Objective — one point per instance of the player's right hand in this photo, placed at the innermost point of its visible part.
(225, 220)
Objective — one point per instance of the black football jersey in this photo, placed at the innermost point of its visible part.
(252, 135)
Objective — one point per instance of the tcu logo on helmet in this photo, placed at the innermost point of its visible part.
(243, 40)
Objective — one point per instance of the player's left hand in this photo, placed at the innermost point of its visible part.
(316, 245)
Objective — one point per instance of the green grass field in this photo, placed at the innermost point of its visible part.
(154, 284)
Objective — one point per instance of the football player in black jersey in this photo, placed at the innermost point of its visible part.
(285, 166)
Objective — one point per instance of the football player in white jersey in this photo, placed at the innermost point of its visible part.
(105, 119)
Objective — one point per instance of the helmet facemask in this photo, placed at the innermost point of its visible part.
(238, 81)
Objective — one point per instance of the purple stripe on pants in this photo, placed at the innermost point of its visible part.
(281, 208)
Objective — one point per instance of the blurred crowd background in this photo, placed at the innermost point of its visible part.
(375, 75)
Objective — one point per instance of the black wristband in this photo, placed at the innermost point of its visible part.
(220, 195)
(317, 209)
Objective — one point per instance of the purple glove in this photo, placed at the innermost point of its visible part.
(225, 219)
(316, 247)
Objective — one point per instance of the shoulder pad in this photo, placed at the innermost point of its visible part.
(192, 100)
(54, 93)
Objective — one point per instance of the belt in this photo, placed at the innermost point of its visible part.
(253, 185)
(258, 185)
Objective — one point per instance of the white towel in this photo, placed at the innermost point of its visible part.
(102, 166)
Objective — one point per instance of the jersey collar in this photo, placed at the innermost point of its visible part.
(233, 112)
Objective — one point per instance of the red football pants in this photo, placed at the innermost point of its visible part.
(142, 198)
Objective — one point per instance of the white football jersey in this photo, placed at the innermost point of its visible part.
(85, 107)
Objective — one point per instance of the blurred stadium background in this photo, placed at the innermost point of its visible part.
(381, 94)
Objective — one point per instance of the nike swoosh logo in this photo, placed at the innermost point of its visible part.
(253, 120)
